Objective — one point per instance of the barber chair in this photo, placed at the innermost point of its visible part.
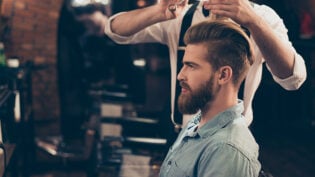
(70, 155)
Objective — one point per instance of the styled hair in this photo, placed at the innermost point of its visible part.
(227, 45)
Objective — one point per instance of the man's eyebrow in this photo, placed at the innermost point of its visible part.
(190, 63)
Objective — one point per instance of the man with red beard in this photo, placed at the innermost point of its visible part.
(217, 141)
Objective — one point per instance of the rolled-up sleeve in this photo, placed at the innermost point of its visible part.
(153, 33)
(298, 77)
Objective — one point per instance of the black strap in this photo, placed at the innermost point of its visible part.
(205, 12)
(186, 23)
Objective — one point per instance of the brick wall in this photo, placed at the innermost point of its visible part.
(32, 36)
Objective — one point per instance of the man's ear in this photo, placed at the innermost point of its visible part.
(225, 74)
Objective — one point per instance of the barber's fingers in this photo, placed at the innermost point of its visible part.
(239, 11)
(227, 2)
(234, 6)
(215, 2)
(223, 1)
(226, 7)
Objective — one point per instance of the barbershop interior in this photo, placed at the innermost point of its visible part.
(75, 103)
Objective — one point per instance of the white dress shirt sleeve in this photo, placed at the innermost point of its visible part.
(298, 77)
(153, 33)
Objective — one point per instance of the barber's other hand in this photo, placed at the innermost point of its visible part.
(240, 11)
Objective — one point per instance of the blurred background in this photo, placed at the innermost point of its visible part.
(74, 103)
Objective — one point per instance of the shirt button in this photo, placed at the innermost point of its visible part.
(169, 163)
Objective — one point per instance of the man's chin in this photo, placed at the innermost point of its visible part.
(188, 111)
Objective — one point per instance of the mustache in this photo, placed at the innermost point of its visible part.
(184, 85)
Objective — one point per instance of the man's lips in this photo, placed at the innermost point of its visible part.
(183, 90)
(185, 87)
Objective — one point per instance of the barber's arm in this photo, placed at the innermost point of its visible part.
(277, 52)
(286, 65)
(279, 55)
(131, 22)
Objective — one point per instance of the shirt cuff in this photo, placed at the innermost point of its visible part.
(298, 77)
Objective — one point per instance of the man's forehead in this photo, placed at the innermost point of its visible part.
(196, 51)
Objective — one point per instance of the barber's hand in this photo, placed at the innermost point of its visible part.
(172, 8)
(240, 11)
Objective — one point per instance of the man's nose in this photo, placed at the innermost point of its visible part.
(180, 75)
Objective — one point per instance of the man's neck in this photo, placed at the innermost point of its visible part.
(220, 103)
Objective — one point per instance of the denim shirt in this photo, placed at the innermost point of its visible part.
(223, 147)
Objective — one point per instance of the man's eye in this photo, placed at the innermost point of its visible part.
(190, 65)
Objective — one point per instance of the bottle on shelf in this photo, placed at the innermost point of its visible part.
(2, 55)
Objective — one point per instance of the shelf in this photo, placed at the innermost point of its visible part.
(144, 140)
(130, 119)
(4, 96)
